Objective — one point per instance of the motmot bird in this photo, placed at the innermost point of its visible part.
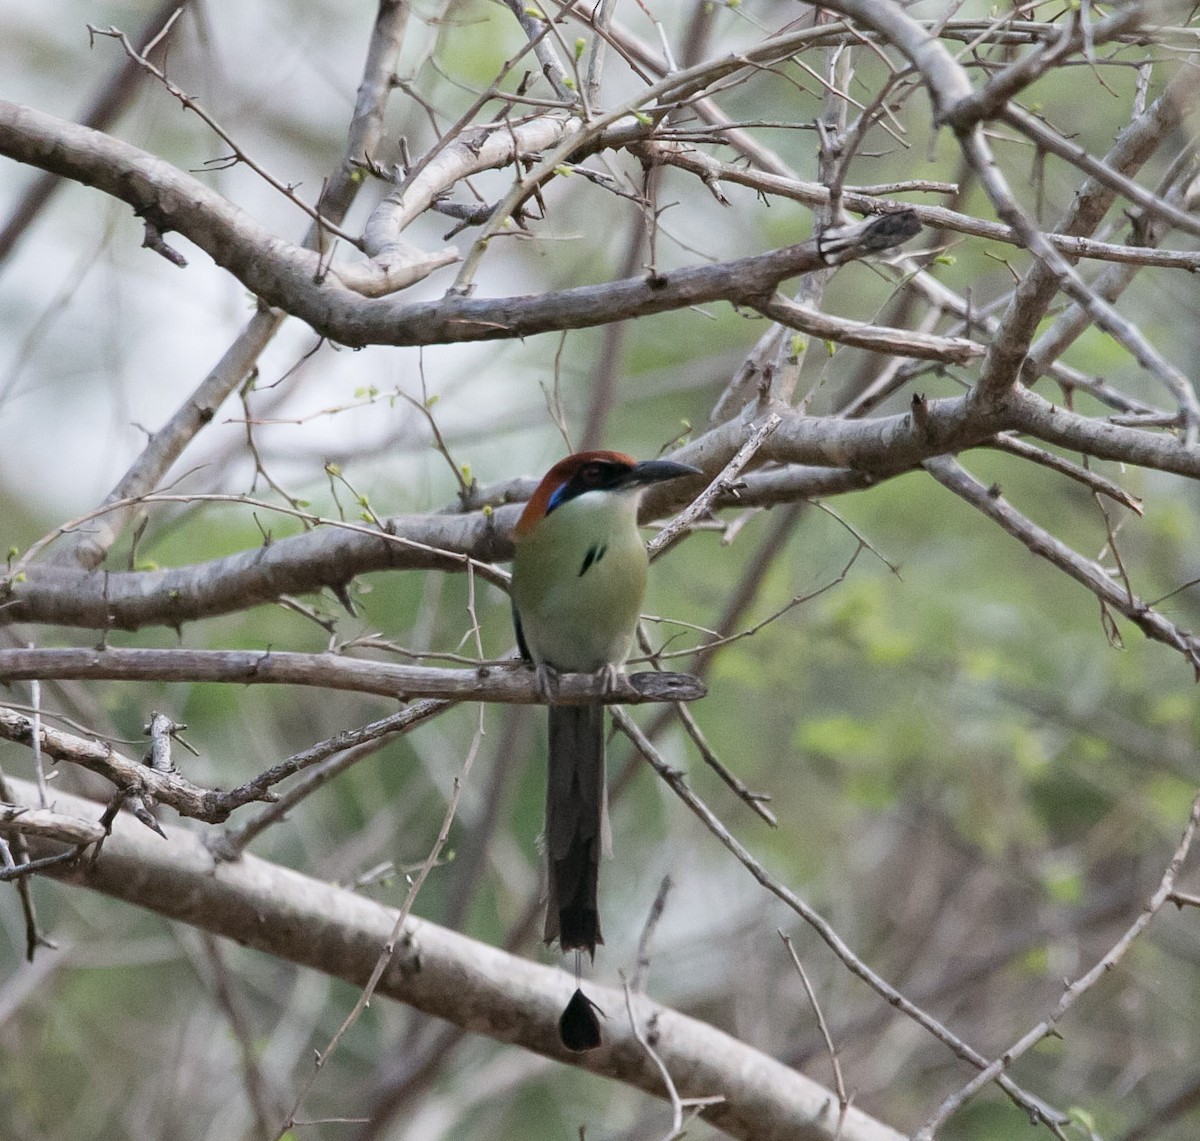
(578, 580)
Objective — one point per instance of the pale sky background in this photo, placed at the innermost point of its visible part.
(100, 339)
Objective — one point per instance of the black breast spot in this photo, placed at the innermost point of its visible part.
(594, 555)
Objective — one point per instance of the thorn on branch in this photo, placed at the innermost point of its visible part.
(161, 730)
(135, 803)
(343, 596)
(153, 240)
(222, 162)
(920, 414)
(714, 187)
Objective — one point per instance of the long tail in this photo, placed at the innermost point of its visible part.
(575, 825)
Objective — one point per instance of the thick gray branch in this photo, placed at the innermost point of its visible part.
(510, 684)
(332, 556)
(327, 556)
(447, 975)
(857, 453)
(295, 280)
(166, 445)
(128, 775)
(1034, 416)
(21, 820)
(879, 339)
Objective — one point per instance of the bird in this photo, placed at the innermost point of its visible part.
(578, 580)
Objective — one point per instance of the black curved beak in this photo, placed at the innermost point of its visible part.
(657, 471)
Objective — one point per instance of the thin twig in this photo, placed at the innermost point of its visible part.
(838, 1081)
(677, 1104)
(642, 968)
(1074, 990)
(389, 947)
(1089, 573)
(323, 761)
(239, 155)
(724, 482)
(755, 801)
(1006, 442)
(1037, 1109)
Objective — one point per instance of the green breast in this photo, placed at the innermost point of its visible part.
(578, 583)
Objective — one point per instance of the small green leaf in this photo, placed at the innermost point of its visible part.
(1035, 961)
(332, 469)
(580, 44)
(1062, 882)
(1081, 1115)
(946, 259)
(643, 118)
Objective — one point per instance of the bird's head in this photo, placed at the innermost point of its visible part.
(602, 471)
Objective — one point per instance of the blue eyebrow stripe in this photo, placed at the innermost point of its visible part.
(556, 498)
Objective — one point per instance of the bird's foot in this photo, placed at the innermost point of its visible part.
(545, 680)
(607, 675)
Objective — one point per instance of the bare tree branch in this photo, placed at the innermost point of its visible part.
(167, 444)
(507, 682)
(444, 974)
(1075, 990)
(675, 780)
(1086, 571)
